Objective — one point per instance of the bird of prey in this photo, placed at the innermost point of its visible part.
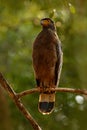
(47, 63)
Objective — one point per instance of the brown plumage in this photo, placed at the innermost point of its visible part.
(47, 63)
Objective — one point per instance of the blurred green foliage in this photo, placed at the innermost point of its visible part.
(19, 25)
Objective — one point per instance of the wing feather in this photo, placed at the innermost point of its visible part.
(59, 62)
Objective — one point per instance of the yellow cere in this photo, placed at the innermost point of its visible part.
(46, 22)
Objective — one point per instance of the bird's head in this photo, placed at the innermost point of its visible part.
(47, 23)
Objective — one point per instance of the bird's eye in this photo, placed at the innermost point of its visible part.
(48, 21)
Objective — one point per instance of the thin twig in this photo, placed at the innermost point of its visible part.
(27, 92)
(70, 90)
(18, 102)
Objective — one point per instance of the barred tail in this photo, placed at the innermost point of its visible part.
(46, 103)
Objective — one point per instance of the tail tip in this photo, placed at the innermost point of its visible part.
(46, 107)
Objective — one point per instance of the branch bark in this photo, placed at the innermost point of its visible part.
(18, 103)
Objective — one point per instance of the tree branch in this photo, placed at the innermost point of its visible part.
(27, 92)
(16, 98)
(34, 90)
(18, 102)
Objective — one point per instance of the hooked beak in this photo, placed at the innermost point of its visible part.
(44, 22)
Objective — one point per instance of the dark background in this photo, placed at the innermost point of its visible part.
(19, 26)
